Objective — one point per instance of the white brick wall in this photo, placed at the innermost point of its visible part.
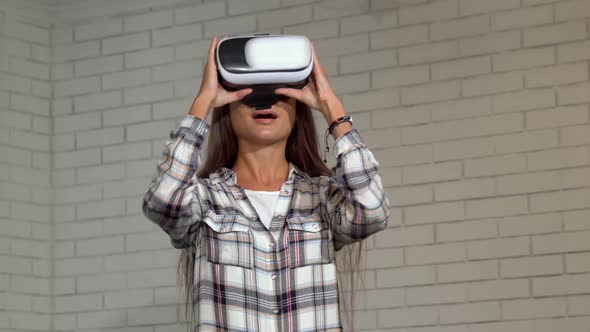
(26, 230)
(478, 112)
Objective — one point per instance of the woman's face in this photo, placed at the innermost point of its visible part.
(263, 131)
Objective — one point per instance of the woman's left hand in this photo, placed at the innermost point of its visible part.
(318, 93)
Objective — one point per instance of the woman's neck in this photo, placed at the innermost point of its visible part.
(261, 167)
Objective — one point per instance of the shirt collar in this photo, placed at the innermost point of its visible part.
(229, 176)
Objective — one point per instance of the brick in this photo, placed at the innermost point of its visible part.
(192, 50)
(405, 276)
(399, 116)
(577, 263)
(63, 53)
(62, 71)
(77, 87)
(400, 76)
(29, 69)
(572, 10)
(574, 94)
(524, 17)
(523, 100)
(493, 83)
(559, 117)
(531, 266)
(438, 253)
(101, 282)
(30, 104)
(498, 289)
(575, 135)
(105, 208)
(402, 317)
(154, 315)
(127, 115)
(555, 34)
(371, 100)
(557, 75)
(560, 200)
(236, 7)
(149, 21)
(97, 101)
(461, 68)
(558, 158)
(77, 303)
(95, 30)
(282, 17)
(149, 57)
(200, 12)
(76, 158)
(496, 207)
(130, 151)
(149, 93)
(99, 137)
(526, 58)
(367, 61)
(490, 43)
(429, 12)
(399, 37)
(99, 65)
(314, 30)
(526, 141)
(99, 246)
(28, 32)
(176, 35)
(430, 92)
(228, 26)
(126, 43)
(369, 22)
(528, 183)
(342, 45)
(176, 70)
(71, 123)
(459, 109)
(561, 285)
(102, 319)
(334, 8)
(428, 52)
(468, 26)
(129, 298)
(126, 79)
(470, 7)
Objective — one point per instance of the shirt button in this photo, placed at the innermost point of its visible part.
(276, 311)
(270, 244)
(273, 277)
(285, 192)
(280, 216)
(315, 226)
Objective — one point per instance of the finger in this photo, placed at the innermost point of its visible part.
(237, 95)
(293, 93)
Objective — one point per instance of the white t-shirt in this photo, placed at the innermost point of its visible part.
(264, 202)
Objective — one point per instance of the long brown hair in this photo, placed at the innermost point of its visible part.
(303, 150)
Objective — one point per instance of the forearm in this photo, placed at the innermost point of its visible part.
(200, 107)
(333, 109)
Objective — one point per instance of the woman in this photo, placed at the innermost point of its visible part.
(262, 220)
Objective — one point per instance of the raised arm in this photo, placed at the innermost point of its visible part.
(355, 201)
(172, 199)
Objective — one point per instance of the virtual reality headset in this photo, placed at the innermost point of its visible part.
(263, 62)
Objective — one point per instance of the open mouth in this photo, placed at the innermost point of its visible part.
(264, 116)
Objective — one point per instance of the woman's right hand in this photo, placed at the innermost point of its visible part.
(211, 91)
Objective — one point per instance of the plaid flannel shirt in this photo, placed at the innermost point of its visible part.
(256, 279)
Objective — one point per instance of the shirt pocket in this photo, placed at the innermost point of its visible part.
(229, 241)
(310, 241)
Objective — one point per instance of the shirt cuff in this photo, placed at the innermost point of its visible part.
(195, 124)
(349, 141)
